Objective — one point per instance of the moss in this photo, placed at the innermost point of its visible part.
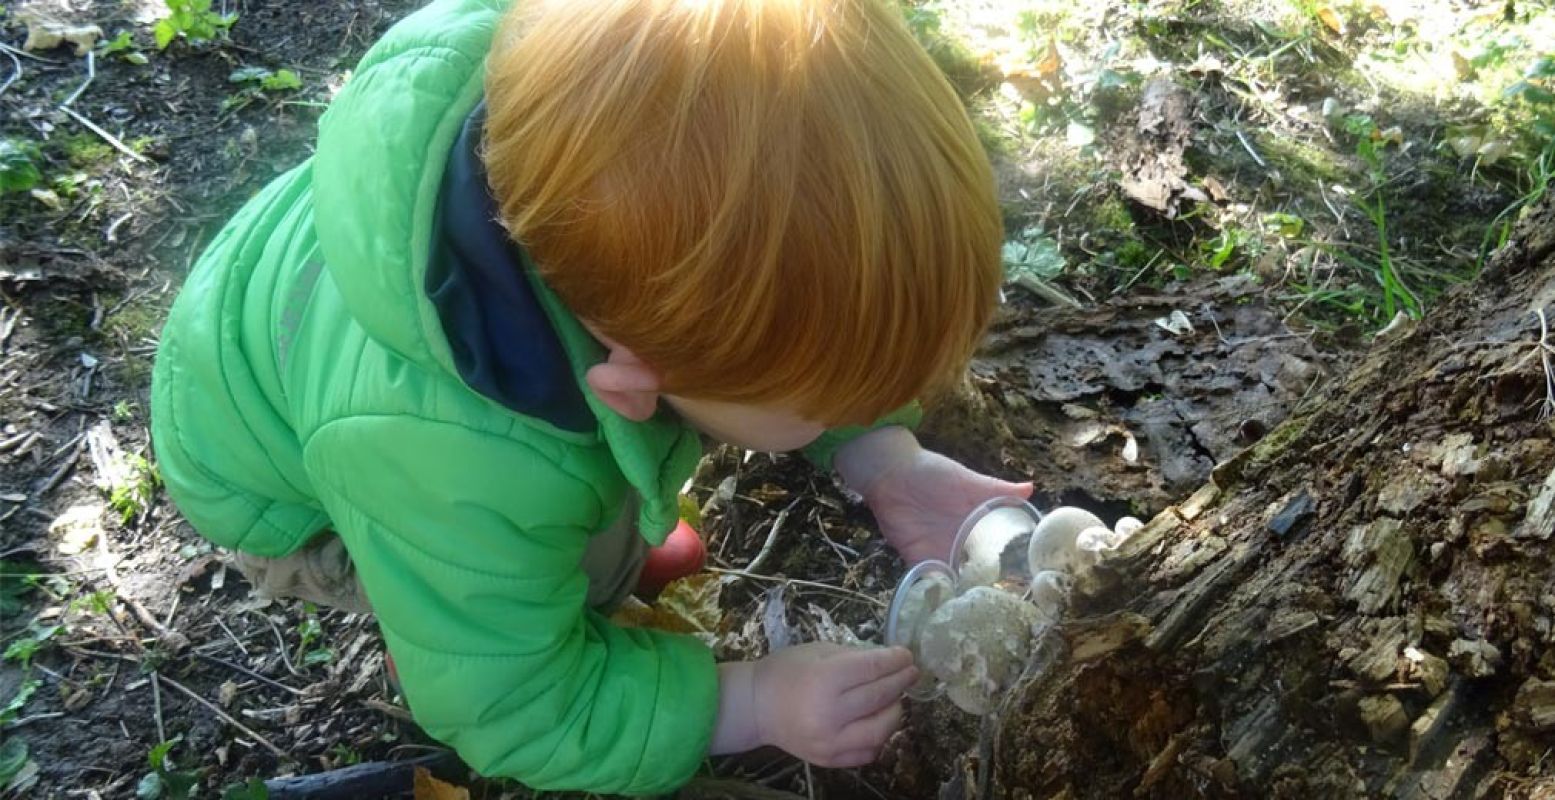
(84, 150)
(134, 322)
(1303, 163)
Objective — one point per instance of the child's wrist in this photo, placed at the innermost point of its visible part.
(865, 460)
(738, 728)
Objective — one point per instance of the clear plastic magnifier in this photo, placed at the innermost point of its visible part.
(977, 556)
(925, 587)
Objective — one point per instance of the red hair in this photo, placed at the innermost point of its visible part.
(773, 202)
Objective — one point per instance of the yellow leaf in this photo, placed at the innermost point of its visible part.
(1332, 19)
(689, 605)
(430, 788)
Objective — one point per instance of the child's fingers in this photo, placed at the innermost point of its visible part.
(868, 666)
(853, 758)
(870, 697)
(871, 731)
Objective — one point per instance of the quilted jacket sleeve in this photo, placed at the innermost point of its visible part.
(468, 546)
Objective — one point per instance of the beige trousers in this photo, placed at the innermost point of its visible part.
(321, 571)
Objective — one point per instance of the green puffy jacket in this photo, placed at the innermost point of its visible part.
(304, 381)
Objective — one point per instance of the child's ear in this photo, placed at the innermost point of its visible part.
(625, 384)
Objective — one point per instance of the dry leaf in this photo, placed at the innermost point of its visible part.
(430, 788)
(1331, 19)
(1036, 82)
(689, 605)
(46, 34)
(1217, 190)
(78, 528)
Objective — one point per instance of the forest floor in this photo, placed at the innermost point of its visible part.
(1212, 206)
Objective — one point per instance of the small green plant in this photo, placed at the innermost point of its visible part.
(23, 649)
(164, 781)
(345, 755)
(18, 170)
(1369, 144)
(13, 759)
(133, 496)
(309, 633)
(124, 47)
(256, 82)
(194, 21)
(124, 411)
(13, 707)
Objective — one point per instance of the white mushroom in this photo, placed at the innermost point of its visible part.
(1050, 593)
(980, 555)
(977, 643)
(1053, 544)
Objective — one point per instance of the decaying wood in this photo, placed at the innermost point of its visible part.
(1361, 604)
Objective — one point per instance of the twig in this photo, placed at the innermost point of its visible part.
(16, 75)
(34, 718)
(280, 642)
(388, 708)
(106, 136)
(91, 73)
(772, 534)
(64, 469)
(5, 48)
(1549, 374)
(250, 673)
(214, 709)
(1246, 145)
(1046, 291)
(825, 587)
(156, 705)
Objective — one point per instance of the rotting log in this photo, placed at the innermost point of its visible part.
(1361, 605)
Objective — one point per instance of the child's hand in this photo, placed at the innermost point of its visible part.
(830, 705)
(919, 497)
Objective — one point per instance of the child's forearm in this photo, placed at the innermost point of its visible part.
(862, 461)
(736, 730)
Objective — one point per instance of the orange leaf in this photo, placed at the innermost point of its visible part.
(430, 788)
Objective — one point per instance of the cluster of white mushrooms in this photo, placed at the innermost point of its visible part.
(973, 622)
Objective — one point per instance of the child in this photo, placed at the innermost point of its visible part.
(453, 366)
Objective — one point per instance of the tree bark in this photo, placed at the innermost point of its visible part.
(1360, 605)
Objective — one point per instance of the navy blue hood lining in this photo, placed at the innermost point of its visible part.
(502, 342)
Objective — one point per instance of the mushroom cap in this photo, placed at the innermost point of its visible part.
(1053, 544)
(987, 532)
(977, 644)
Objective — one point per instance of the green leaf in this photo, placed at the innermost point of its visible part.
(157, 757)
(1287, 225)
(13, 756)
(124, 41)
(164, 33)
(18, 173)
(137, 58)
(249, 75)
(323, 655)
(253, 790)
(281, 81)
(1035, 254)
(180, 785)
(23, 693)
